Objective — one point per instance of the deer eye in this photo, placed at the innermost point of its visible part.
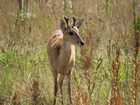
(71, 33)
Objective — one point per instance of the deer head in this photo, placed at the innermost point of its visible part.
(71, 33)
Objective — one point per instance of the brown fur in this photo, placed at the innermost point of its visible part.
(61, 54)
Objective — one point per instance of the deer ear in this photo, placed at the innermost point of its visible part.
(62, 25)
(79, 23)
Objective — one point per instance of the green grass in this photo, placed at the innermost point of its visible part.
(24, 59)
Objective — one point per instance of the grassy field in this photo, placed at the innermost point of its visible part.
(107, 70)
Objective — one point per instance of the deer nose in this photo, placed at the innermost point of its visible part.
(82, 43)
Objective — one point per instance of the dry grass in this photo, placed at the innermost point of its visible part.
(108, 25)
(81, 97)
(116, 97)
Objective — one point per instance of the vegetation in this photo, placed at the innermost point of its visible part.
(107, 70)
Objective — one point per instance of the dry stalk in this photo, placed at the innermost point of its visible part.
(35, 93)
(86, 58)
(109, 50)
(135, 71)
(116, 98)
(3, 101)
(81, 97)
(15, 99)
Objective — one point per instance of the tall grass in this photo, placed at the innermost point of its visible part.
(25, 76)
(136, 62)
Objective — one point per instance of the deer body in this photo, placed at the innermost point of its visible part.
(61, 54)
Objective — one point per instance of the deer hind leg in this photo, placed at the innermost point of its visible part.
(60, 84)
(55, 88)
(69, 87)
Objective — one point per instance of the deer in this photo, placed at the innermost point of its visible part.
(61, 54)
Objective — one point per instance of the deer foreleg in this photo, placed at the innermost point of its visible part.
(69, 87)
(55, 89)
(60, 83)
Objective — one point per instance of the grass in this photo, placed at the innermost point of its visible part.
(25, 77)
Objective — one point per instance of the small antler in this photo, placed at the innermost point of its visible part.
(67, 20)
(74, 21)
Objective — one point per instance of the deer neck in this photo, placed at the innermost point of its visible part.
(67, 53)
(68, 48)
